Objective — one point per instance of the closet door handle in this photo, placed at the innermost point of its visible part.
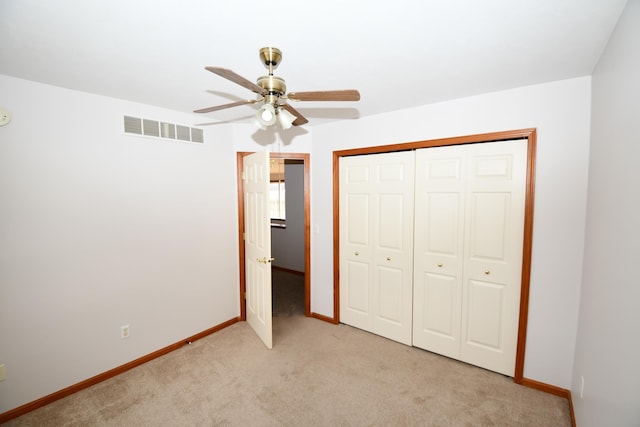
(357, 253)
(440, 264)
(388, 258)
(487, 272)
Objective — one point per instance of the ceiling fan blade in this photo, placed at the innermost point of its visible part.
(300, 119)
(327, 95)
(236, 78)
(224, 106)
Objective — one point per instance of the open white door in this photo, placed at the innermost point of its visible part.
(257, 256)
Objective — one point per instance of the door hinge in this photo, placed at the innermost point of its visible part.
(244, 236)
(245, 295)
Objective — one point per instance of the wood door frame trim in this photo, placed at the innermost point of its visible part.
(531, 136)
(306, 161)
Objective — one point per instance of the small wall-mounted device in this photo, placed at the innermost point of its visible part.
(5, 117)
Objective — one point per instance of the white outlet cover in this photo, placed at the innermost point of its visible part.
(5, 117)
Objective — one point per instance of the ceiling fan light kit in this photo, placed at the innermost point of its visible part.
(272, 90)
(285, 118)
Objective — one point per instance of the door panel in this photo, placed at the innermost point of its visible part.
(440, 297)
(485, 306)
(258, 245)
(355, 261)
(376, 228)
(357, 300)
(488, 236)
(358, 219)
(494, 228)
(389, 297)
(438, 249)
(390, 221)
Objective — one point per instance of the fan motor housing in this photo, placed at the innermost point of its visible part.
(273, 85)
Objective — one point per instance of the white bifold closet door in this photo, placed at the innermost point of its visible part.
(376, 243)
(431, 248)
(469, 229)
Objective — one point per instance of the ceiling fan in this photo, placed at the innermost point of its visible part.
(273, 92)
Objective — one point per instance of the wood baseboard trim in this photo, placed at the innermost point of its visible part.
(573, 414)
(324, 318)
(43, 401)
(551, 389)
(547, 388)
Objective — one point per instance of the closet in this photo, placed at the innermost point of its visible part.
(431, 248)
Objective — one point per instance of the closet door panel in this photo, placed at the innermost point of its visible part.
(437, 322)
(355, 245)
(376, 231)
(390, 295)
(357, 301)
(485, 307)
(438, 249)
(393, 245)
(494, 231)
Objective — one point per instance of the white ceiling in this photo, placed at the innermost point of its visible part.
(397, 53)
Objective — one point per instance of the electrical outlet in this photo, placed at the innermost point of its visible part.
(3, 373)
(124, 331)
(5, 117)
(581, 387)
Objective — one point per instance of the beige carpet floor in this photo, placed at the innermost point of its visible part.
(317, 374)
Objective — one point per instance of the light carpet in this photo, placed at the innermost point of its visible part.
(317, 374)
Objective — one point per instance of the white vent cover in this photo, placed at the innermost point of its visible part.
(197, 135)
(151, 127)
(168, 130)
(133, 125)
(154, 128)
(184, 133)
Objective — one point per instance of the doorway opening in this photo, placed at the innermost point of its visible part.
(287, 268)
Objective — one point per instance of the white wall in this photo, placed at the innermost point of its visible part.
(560, 112)
(287, 244)
(607, 349)
(99, 229)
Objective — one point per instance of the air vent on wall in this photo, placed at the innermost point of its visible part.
(197, 135)
(183, 133)
(153, 128)
(168, 130)
(132, 125)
